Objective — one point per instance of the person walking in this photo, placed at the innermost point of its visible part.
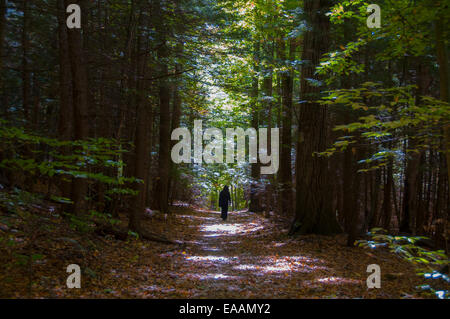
(224, 199)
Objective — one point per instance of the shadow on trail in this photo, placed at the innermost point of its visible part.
(238, 258)
(248, 256)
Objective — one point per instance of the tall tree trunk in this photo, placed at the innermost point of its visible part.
(374, 196)
(441, 209)
(150, 131)
(351, 177)
(80, 105)
(351, 194)
(8, 175)
(2, 45)
(254, 204)
(442, 57)
(410, 191)
(164, 113)
(26, 81)
(410, 200)
(287, 86)
(387, 197)
(268, 106)
(314, 213)
(141, 151)
(176, 115)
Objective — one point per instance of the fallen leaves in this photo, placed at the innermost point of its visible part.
(246, 257)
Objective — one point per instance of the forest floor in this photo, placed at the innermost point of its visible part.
(248, 256)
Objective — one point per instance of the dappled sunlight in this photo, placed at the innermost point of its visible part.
(157, 288)
(196, 217)
(263, 264)
(150, 290)
(276, 244)
(220, 259)
(338, 280)
(240, 256)
(206, 248)
(224, 229)
(204, 210)
(275, 264)
(330, 281)
(217, 276)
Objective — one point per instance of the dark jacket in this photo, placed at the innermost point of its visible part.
(224, 197)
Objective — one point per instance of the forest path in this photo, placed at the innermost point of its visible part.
(248, 256)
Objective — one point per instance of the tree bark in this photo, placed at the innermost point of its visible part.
(65, 89)
(314, 212)
(164, 113)
(287, 86)
(176, 116)
(387, 197)
(80, 107)
(254, 205)
(2, 45)
(141, 152)
(442, 58)
(26, 81)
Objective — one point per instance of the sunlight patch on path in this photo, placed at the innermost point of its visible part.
(330, 281)
(207, 248)
(197, 217)
(338, 280)
(221, 259)
(216, 230)
(282, 264)
(212, 277)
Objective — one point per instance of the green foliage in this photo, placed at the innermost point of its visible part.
(80, 223)
(133, 234)
(105, 217)
(41, 156)
(407, 247)
(18, 200)
(388, 115)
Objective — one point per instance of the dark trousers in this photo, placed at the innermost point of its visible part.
(224, 212)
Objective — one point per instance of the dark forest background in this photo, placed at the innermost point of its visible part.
(364, 114)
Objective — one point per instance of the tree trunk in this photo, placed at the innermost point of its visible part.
(164, 114)
(410, 201)
(141, 152)
(80, 106)
(350, 194)
(176, 116)
(314, 213)
(2, 44)
(149, 156)
(26, 81)
(442, 57)
(65, 89)
(387, 197)
(287, 85)
(410, 192)
(268, 106)
(254, 205)
(374, 196)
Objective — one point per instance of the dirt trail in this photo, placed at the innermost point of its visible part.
(249, 257)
